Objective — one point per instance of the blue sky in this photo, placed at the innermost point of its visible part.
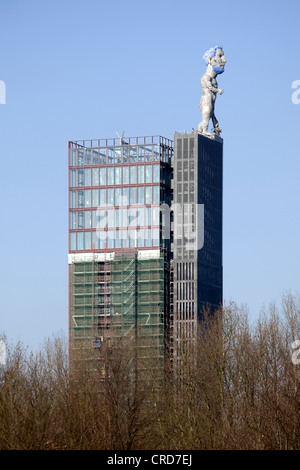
(86, 69)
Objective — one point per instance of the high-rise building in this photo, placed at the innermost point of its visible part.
(145, 239)
(197, 252)
(119, 260)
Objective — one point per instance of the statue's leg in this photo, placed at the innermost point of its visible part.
(203, 125)
(206, 108)
(215, 121)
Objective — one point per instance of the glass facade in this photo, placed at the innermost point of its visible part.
(119, 261)
(115, 190)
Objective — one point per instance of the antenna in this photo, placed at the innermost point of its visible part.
(121, 138)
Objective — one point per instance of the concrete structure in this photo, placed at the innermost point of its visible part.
(197, 262)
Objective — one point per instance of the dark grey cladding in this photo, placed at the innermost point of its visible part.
(198, 182)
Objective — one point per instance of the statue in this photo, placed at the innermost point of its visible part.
(215, 60)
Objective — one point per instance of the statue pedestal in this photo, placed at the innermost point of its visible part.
(212, 136)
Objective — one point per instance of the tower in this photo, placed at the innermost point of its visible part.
(119, 261)
(197, 249)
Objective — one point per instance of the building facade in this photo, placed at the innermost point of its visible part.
(145, 239)
(197, 247)
(119, 261)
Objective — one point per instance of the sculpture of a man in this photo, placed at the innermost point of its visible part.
(215, 60)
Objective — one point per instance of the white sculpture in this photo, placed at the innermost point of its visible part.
(215, 61)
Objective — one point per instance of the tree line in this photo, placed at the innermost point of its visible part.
(236, 387)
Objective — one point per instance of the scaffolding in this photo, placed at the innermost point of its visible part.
(123, 284)
(82, 308)
(126, 296)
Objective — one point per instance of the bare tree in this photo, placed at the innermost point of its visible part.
(234, 387)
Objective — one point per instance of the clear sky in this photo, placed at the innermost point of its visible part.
(77, 69)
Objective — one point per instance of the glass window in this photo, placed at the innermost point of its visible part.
(148, 216)
(117, 175)
(102, 176)
(88, 198)
(95, 245)
(93, 219)
(73, 241)
(148, 174)
(132, 238)
(156, 152)
(80, 177)
(125, 174)
(102, 197)
(117, 218)
(87, 219)
(117, 196)
(132, 196)
(125, 153)
(132, 153)
(73, 157)
(155, 194)
(117, 156)
(147, 237)
(80, 199)
(141, 237)
(141, 152)
(110, 155)
(73, 178)
(121, 236)
(95, 177)
(125, 241)
(148, 154)
(117, 240)
(87, 241)
(72, 220)
(132, 217)
(155, 237)
(111, 238)
(87, 157)
(79, 240)
(95, 194)
(95, 157)
(110, 196)
(133, 175)
(96, 219)
(155, 215)
(155, 173)
(140, 217)
(80, 219)
(87, 177)
(110, 175)
(72, 199)
(80, 157)
(125, 196)
(102, 240)
(148, 195)
(141, 174)
(141, 195)
(102, 219)
(110, 217)
(102, 155)
(124, 218)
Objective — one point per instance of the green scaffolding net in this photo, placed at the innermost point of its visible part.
(126, 297)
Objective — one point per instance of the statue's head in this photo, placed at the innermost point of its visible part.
(215, 57)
